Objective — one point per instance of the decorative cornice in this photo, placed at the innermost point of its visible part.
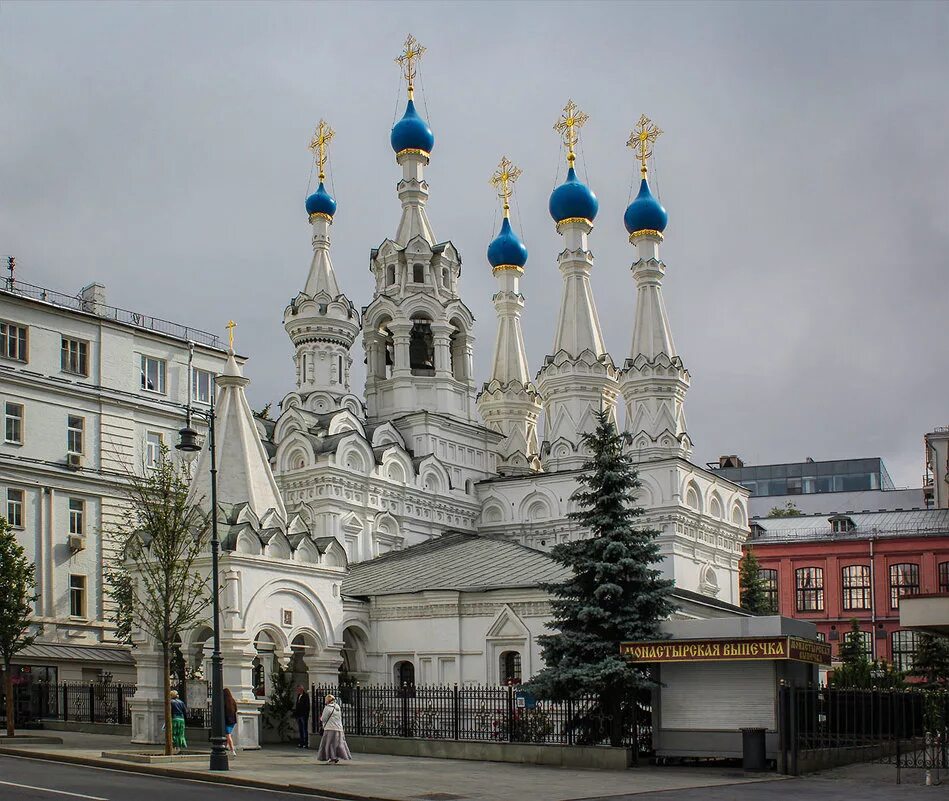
(573, 221)
(413, 151)
(319, 215)
(501, 267)
(645, 232)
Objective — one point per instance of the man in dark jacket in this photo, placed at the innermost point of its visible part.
(301, 711)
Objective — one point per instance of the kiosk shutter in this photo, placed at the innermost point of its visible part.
(718, 695)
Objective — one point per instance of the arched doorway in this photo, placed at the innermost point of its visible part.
(404, 673)
(510, 667)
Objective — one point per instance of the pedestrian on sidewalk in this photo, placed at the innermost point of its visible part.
(230, 720)
(178, 714)
(301, 711)
(333, 746)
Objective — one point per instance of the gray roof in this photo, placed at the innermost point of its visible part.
(873, 524)
(453, 561)
(76, 653)
(816, 503)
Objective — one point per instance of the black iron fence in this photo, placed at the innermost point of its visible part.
(93, 702)
(908, 728)
(487, 713)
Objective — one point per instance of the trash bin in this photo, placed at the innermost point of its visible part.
(753, 749)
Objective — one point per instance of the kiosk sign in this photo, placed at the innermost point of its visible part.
(729, 650)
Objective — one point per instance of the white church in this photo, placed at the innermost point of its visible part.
(401, 536)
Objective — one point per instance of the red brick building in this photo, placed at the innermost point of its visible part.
(830, 570)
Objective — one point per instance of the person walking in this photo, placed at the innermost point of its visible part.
(333, 746)
(178, 714)
(301, 711)
(230, 720)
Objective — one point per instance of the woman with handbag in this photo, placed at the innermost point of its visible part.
(333, 746)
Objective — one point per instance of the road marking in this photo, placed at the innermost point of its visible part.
(57, 792)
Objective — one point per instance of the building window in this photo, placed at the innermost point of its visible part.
(13, 423)
(809, 582)
(77, 516)
(15, 508)
(75, 427)
(855, 585)
(865, 638)
(944, 577)
(339, 369)
(903, 649)
(418, 273)
(201, 383)
(77, 596)
(511, 667)
(390, 275)
(904, 580)
(405, 674)
(153, 443)
(841, 524)
(821, 637)
(153, 374)
(769, 583)
(73, 358)
(13, 339)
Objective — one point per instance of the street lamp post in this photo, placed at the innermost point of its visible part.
(188, 442)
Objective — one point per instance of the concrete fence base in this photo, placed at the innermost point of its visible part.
(568, 756)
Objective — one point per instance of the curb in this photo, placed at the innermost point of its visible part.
(177, 773)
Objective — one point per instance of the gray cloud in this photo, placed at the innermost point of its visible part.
(160, 148)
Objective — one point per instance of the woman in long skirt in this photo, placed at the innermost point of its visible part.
(333, 746)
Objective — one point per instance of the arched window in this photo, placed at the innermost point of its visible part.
(944, 577)
(769, 583)
(855, 586)
(510, 671)
(903, 649)
(418, 273)
(445, 277)
(405, 674)
(422, 348)
(904, 580)
(809, 584)
(339, 369)
(390, 275)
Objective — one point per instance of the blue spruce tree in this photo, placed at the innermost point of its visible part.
(616, 592)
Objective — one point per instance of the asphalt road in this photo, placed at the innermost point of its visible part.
(41, 780)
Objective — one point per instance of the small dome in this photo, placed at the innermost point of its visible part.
(412, 132)
(507, 248)
(573, 198)
(645, 213)
(321, 202)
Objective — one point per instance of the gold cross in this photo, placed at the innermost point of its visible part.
(231, 325)
(319, 144)
(503, 180)
(412, 53)
(569, 126)
(642, 138)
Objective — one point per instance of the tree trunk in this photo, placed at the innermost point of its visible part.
(166, 683)
(8, 687)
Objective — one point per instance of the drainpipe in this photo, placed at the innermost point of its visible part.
(873, 605)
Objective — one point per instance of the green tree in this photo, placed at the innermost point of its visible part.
(615, 592)
(279, 706)
(17, 580)
(754, 597)
(931, 662)
(788, 510)
(159, 589)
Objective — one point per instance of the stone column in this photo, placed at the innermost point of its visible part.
(323, 668)
(401, 337)
(237, 658)
(441, 334)
(147, 706)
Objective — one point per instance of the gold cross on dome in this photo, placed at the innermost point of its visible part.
(408, 61)
(231, 325)
(568, 126)
(319, 145)
(642, 138)
(503, 180)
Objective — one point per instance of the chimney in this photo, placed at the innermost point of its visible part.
(730, 461)
(93, 298)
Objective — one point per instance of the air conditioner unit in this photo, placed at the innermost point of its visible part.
(74, 461)
(76, 542)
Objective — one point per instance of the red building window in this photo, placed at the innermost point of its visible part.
(904, 649)
(769, 582)
(944, 577)
(855, 586)
(904, 580)
(809, 582)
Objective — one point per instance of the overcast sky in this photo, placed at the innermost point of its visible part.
(160, 149)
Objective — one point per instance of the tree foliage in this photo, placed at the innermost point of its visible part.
(754, 597)
(788, 510)
(281, 703)
(17, 580)
(857, 670)
(615, 592)
(931, 662)
(158, 589)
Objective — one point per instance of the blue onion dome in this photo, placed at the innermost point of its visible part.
(506, 248)
(412, 132)
(573, 198)
(321, 202)
(645, 213)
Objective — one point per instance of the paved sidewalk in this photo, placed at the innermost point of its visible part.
(374, 776)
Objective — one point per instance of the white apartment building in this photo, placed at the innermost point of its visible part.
(87, 392)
